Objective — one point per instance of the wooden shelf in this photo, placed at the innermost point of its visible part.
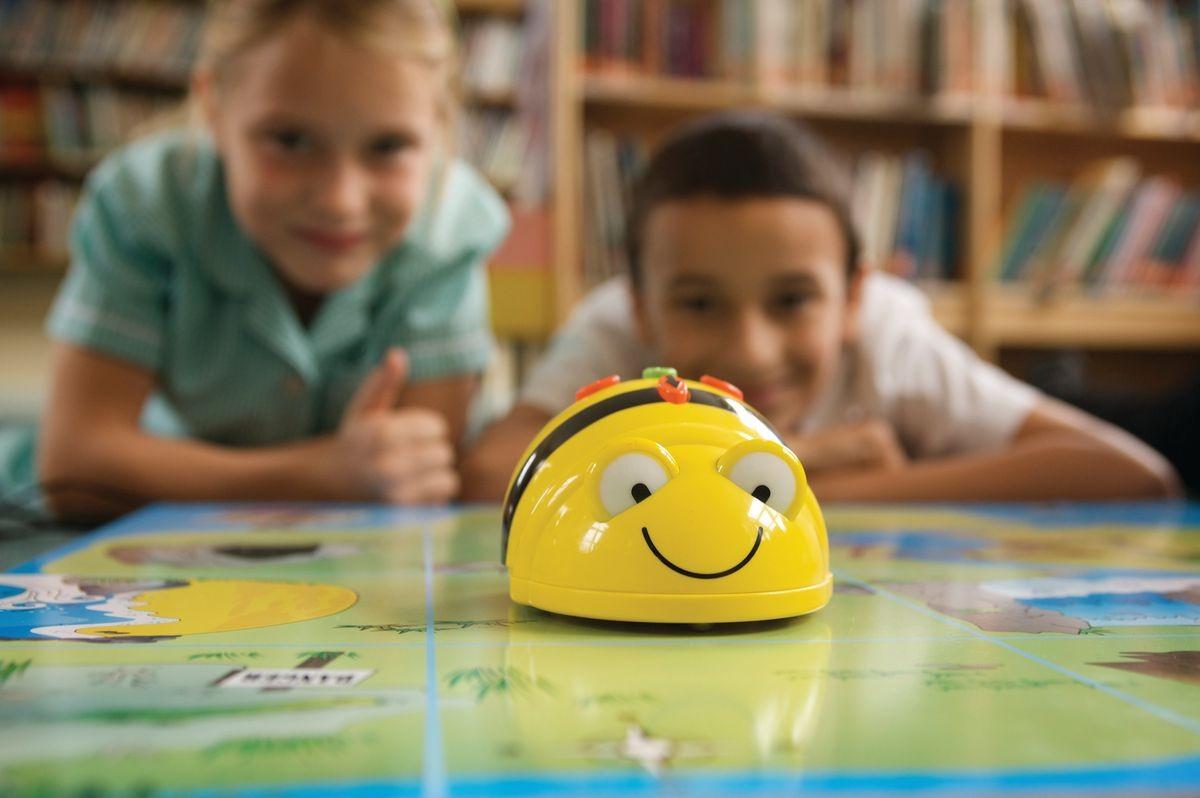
(870, 106)
(29, 260)
(153, 81)
(510, 8)
(948, 304)
(667, 93)
(1151, 321)
(45, 166)
(1144, 124)
(714, 95)
(494, 99)
(652, 91)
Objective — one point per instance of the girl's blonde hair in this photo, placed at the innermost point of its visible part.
(421, 29)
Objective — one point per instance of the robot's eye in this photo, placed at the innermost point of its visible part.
(630, 479)
(767, 477)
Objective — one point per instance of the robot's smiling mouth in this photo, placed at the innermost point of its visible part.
(696, 574)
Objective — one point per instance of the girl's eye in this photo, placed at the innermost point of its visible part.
(290, 141)
(767, 477)
(388, 146)
(630, 479)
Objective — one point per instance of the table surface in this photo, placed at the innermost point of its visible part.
(365, 651)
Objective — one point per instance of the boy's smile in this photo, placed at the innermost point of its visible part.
(755, 290)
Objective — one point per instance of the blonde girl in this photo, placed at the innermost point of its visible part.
(293, 304)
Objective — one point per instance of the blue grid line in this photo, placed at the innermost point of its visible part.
(1161, 713)
(434, 777)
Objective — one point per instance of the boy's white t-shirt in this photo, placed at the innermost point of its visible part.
(938, 395)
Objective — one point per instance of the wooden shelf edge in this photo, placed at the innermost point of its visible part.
(948, 303)
(126, 78)
(28, 260)
(1014, 318)
(510, 8)
(47, 166)
(506, 98)
(1138, 123)
(666, 92)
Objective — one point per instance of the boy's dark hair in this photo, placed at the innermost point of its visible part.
(741, 155)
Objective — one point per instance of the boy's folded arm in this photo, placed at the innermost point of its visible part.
(488, 466)
(863, 445)
(1057, 453)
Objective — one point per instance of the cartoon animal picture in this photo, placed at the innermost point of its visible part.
(59, 607)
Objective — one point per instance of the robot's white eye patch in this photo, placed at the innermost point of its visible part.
(767, 477)
(629, 479)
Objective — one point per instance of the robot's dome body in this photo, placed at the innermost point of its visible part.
(664, 500)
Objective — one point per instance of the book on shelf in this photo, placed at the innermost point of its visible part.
(35, 220)
(493, 50)
(497, 142)
(21, 134)
(610, 164)
(1112, 229)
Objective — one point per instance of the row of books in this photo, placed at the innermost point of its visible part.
(610, 164)
(907, 216)
(892, 45)
(36, 219)
(498, 143)
(72, 124)
(135, 38)
(1112, 228)
(1112, 53)
(1109, 54)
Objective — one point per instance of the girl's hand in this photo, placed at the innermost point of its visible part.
(865, 446)
(381, 453)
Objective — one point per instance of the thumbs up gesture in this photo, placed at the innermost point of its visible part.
(401, 456)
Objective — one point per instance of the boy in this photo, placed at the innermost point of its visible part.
(745, 265)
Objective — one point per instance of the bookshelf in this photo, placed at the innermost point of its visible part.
(989, 129)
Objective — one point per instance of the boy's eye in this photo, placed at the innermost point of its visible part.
(793, 300)
(696, 304)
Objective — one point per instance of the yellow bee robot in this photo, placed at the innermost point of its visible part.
(664, 500)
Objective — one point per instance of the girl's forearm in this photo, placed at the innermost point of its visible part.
(118, 470)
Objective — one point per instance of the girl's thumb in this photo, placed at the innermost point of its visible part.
(383, 386)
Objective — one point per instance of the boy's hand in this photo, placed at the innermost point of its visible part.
(402, 456)
(864, 446)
